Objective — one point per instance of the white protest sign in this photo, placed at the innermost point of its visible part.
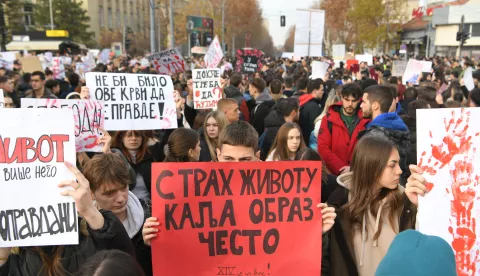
(207, 91)
(144, 62)
(134, 101)
(319, 69)
(427, 66)
(88, 116)
(2, 100)
(167, 62)
(368, 58)
(7, 59)
(468, 79)
(310, 27)
(413, 71)
(104, 55)
(399, 67)
(214, 54)
(58, 68)
(32, 157)
(447, 152)
(338, 51)
(67, 60)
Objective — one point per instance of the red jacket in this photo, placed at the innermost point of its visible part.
(336, 147)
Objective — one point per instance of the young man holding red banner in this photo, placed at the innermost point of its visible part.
(238, 143)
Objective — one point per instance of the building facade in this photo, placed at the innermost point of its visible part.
(447, 21)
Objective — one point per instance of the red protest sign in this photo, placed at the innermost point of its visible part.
(350, 63)
(257, 218)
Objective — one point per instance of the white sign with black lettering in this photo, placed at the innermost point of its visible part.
(206, 87)
(32, 157)
(134, 101)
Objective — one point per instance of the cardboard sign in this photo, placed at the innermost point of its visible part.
(447, 152)
(351, 62)
(32, 156)
(58, 68)
(319, 69)
(251, 218)
(427, 66)
(249, 61)
(368, 58)
(468, 79)
(134, 101)
(214, 54)
(88, 115)
(168, 62)
(338, 51)
(31, 64)
(7, 59)
(413, 71)
(207, 91)
(399, 67)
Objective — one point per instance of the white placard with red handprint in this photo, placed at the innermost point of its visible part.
(206, 87)
(167, 62)
(447, 142)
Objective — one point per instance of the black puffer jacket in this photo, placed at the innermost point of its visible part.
(111, 236)
(412, 127)
(392, 126)
(273, 122)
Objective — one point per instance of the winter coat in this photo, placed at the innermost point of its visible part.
(343, 252)
(336, 146)
(143, 251)
(298, 94)
(273, 122)
(393, 127)
(310, 109)
(205, 151)
(111, 236)
(412, 127)
(263, 105)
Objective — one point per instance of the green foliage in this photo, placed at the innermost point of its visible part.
(67, 15)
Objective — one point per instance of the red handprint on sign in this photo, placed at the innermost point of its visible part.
(457, 151)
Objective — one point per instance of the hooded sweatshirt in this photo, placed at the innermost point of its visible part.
(263, 104)
(391, 125)
(413, 253)
(135, 215)
(273, 122)
(310, 109)
(368, 251)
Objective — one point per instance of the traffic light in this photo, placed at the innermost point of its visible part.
(128, 42)
(282, 21)
(465, 36)
(459, 36)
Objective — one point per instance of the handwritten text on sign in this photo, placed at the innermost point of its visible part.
(254, 217)
(88, 115)
(32, 211)
(134, 101)
(207, 91)
(168, 62)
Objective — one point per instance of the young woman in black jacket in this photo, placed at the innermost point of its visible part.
(99, 230)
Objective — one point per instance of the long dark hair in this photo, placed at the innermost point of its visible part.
(180, 142)
(280, 144)
(110, 263)
(370, 158)
(142, 150)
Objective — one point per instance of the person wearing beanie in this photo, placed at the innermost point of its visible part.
(474, 98)
(413, 253)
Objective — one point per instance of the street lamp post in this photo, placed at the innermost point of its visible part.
(51, 14)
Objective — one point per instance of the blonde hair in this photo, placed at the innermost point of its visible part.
(222, 123)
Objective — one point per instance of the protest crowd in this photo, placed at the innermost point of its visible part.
(359, 119)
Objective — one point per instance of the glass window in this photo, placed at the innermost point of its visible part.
(475, 30)
(110, 18)
(100, 17)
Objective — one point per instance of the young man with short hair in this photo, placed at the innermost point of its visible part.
(339, 130)
(229, 107)
(377, 101)
(54, 86)
(310, 107)
(234, 91)
(288, 83)
(38, 85)
(263, 104)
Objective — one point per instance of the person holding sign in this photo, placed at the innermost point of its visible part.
(288, 142)
(238, 143)
(372, 208)
(109, 181)
(98, 230)
(213, 125)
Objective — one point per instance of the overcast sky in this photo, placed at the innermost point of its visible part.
(273, 9)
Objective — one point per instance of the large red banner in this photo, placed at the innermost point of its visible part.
(251, 218)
